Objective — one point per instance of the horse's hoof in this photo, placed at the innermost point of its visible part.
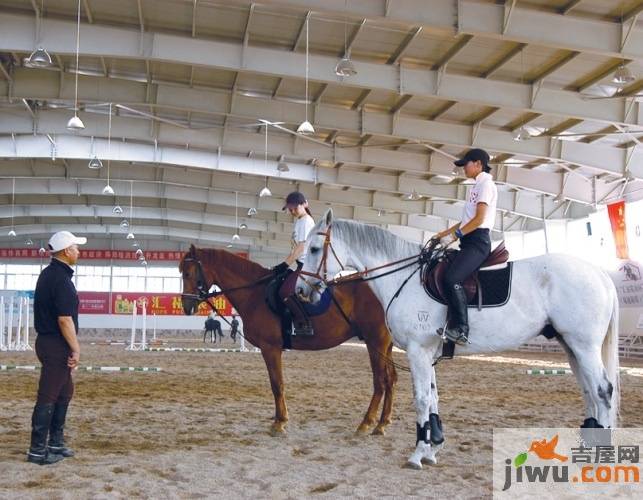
(362, 430)
(429, 460)
(380, 430)
(277, 430)
(413, 465)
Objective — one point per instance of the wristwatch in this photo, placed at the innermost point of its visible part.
(459, 233)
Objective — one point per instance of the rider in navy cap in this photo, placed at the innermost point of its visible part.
(474, 154)
(478, 219)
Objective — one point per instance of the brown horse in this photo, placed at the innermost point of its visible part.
(201, 268)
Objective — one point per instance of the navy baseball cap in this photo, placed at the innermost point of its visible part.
(294, 199)
(474, 154)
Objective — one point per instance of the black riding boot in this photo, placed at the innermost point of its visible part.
(458, 329)
(300, 319)
(56, 434)
(40, 423)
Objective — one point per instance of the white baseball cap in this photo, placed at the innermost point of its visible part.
(64, 239)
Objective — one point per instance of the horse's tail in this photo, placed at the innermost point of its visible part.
(611, 361)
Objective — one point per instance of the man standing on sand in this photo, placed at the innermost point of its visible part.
(57, 348)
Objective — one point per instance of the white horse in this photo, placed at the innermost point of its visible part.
(575, 299)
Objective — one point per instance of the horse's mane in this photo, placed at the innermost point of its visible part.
(242, 266)
(373, 239)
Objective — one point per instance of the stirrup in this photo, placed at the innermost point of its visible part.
(456, 335)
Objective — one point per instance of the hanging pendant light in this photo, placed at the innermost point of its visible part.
(29, 242)
(306, 127)
(108, 189)
(243, 225)
(623, 76)
(95, 163)
(130, 235)
(139, 253)
(235, 236)
(39, 58)
(117, 210)
(75, 124)
(144, 262)
(282, 166)
(252, 211)
(42, 251)
(521, 135)
(124, 224)
(265, 191)
(345, 67)
(412, 196)
(12, 232)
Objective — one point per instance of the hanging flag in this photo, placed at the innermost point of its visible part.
(616, 212)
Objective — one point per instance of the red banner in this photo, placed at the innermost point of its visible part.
(93, 303)
(87, 254)
(616, 212)
(162, 304)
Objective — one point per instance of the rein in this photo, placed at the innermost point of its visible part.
(201, 284)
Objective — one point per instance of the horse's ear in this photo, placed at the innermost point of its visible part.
(192, 251)
(328, 217)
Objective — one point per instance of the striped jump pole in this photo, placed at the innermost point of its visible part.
(192, 349)
(16, 344)
(88, 368)
(559, 371)
(10, 325)
(3, 347)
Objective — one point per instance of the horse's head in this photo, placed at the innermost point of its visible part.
(194, 281)
(323, 260)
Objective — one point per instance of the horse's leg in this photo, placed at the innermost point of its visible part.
(435, 424)
(389, 381)
(592, 377)
(272, 358)
(573, 364)
(422, 373)
(378, 367)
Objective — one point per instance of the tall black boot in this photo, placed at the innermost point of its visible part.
(301, 321)
(40, 423)
(458, 329)
(56, 434)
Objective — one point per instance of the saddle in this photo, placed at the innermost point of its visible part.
(283, 301)
(494, 283)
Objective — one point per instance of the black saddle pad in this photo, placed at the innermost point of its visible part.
(496, 287)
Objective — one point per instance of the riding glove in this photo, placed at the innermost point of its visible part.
(445, 241)
(281, 268)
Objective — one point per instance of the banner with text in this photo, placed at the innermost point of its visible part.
(161, 304)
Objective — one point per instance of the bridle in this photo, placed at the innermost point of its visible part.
(321, 273)
(202, 292)
(202, 287)
(322, 269)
